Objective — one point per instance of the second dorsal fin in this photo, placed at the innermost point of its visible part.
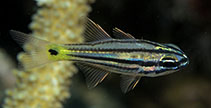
(119, 34)
(93, 32)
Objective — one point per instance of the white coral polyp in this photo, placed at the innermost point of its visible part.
(44, 2)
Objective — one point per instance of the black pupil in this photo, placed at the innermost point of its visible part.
(169, 64)
(53, 52)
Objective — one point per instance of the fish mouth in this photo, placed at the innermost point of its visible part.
(184, 62)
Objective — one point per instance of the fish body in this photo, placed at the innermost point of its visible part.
(101, 55)
(126, 56)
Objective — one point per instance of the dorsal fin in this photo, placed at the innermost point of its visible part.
(93, 74)
(128, 83)
(173, 46)
(93, 32)
(119, 34)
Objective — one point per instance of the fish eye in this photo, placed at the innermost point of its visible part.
(168, 62)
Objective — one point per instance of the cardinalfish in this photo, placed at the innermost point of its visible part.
(101, 54)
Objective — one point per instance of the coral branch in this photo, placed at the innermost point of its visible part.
(59, 21)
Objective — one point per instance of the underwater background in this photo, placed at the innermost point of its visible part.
(186, 23)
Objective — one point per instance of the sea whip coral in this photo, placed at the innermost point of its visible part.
(59, 21)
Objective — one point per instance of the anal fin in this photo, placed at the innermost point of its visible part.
(128, 83)
(93, 74)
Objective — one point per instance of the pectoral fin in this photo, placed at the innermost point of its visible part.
(93, 74)
(119, 34)
(128, 83)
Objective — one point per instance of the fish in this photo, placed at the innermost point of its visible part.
(101, 55)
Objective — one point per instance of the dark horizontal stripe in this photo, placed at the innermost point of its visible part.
(119, 41)
(158, 71)
(126, 50)
(174, 49)
(176, 64)
(165, 64)
(109, 65)
(140, 63)
(126, 68)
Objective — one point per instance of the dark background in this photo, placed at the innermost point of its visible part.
(186, 23)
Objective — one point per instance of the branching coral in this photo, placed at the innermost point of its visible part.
(7, 79)
(59, 21)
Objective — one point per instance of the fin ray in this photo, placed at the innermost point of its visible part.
(35, 50)
(94, 32)
(119, 34)
(128, 83)
(93, 74)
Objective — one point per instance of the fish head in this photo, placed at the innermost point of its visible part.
(172, 60)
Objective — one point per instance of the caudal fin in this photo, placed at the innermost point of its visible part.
(36, 51)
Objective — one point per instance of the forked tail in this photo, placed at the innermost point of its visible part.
(36, 50)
